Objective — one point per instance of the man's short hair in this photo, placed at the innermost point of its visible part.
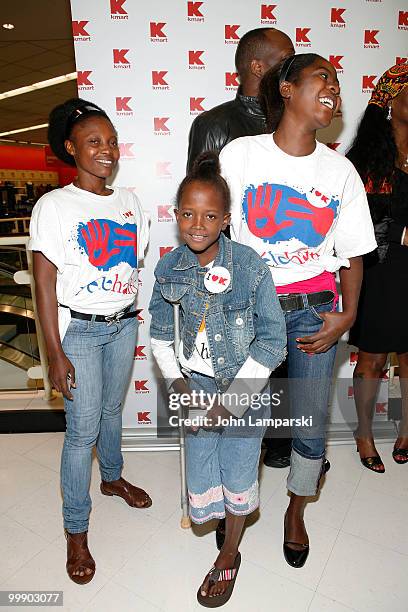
(250, 47)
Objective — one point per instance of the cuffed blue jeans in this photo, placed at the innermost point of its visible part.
(102, 356)
(309, 390)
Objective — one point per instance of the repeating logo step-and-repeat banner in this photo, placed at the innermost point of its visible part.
(154, 66)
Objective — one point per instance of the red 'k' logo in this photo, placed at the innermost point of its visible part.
(194, 58)
(156, 30)
(160, 124)
(140, 352)
(370, 39)
(196, 104)
(117, 7)
(125, 149)
(193, 9)
(267, 12)
(302, 35)
(158, 78)
(231, 32)
(78, 29)
(143, 418)
(83, 78)
(119, 56)
(368, 81)
(335, 61)
(403, 20)
(231, 79)
(141, 385)
(336, 16)
(122, 104)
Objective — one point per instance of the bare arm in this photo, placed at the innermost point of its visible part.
(60, 367)
(335, 324)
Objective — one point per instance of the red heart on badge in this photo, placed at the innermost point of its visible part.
(214, 277)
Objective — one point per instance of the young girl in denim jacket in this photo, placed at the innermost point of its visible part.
(232, 337)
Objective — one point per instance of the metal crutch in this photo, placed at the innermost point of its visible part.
(185, 522)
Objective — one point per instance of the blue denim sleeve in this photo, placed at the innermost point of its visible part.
(269, 345)
(161, 312)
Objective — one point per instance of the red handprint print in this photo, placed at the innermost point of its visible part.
(131, 239)
(266, 210)
(96, 241)
(321, 218)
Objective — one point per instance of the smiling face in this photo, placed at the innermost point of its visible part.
(93, 144)
(201, 217)
(315, 97)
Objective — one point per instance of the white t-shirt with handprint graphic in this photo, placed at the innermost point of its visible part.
(303, 215)
(96, 243)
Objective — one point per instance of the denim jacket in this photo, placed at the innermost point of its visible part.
(244, 320)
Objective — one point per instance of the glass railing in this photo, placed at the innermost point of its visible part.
(18, 339)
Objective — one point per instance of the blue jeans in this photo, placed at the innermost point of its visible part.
(222, 464)
(102, 356)
(309, 385)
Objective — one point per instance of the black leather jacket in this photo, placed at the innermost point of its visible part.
(215, 128)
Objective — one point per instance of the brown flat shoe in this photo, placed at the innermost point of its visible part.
(79, 557)
(133, 496)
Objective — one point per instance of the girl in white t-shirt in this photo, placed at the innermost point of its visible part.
(303, 208)
(87, 239)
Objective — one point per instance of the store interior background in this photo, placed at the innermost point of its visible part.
(38, 48)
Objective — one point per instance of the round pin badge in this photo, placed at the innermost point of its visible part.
(217, 279)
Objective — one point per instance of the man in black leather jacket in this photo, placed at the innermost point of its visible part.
(257, 51)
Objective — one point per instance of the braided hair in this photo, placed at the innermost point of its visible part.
(62, 120)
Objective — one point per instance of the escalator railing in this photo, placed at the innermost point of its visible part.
(22, 350)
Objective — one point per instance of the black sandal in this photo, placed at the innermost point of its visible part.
(371, 462)
(400, 451)
(217, 575)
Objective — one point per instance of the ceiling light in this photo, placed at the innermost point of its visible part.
(8, 26)
(26, 129)
(40, 85)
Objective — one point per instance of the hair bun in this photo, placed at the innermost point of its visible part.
(206, 166)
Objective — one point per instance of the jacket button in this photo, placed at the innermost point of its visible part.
(239, 321)
(217, 337)
(225, 382)
(220, 360)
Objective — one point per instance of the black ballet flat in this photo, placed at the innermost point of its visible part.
(400, 451)
(295, 558)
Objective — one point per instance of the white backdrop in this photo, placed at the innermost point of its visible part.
(153, 66)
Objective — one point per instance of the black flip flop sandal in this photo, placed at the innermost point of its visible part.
(217, 575)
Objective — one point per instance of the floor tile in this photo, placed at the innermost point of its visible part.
(161, 482)
(41, 511)
(118, 531)
(321, 603)
(182, 560)
(40, 403)
(17, 403)
(371, 509)
(18, 545)
(46, 571)
(365, 576)
(24, 442)
(395, 479)
(48, 454)
(19, 478)
(262, 544)
(116, 597)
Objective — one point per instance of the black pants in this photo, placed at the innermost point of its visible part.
(275, 439)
